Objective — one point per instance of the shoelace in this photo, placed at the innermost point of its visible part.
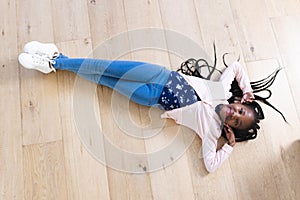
(41, 59)
(43, 54)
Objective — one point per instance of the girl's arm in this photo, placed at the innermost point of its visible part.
(236, 70)
(214, 158)
(198, 119)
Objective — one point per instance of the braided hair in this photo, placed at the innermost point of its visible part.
(193, 67)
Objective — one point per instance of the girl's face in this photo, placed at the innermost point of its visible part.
(236, 115)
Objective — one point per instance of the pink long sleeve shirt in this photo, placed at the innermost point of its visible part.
(201, 116)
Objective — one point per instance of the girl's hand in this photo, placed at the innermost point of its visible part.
(230, 135)
(247, 97)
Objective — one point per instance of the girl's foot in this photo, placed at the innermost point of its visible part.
(37, 62)
(43, 49)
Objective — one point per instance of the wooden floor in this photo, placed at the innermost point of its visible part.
(41, 153)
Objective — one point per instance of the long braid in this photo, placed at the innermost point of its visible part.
(193, 67)
(258, 86)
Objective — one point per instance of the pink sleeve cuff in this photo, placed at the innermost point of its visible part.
(227, 148)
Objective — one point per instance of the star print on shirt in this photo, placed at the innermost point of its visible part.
(177, 93)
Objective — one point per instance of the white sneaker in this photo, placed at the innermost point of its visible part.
(43, 49)
(37, 62)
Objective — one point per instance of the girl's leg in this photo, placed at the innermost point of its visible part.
(139, 81)
(146, 94)
(129, 70)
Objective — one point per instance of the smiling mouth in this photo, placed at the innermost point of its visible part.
(224, 112)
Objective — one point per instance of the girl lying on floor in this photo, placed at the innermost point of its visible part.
(209, 108)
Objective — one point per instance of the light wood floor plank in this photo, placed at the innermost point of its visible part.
(277, 135)
(44, 171)
(121, 182)
(217, 25)
(277, 8)
(70, 20)
(39, 97)
(11, 157)
(286, 31)
(86, 177)
(254, 29)
(174, 18)
(112, 21)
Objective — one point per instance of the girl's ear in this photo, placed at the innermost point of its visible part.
(258, 110)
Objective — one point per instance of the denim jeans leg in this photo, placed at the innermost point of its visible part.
(141, 82)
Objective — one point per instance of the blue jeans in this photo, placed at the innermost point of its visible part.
(140, 82)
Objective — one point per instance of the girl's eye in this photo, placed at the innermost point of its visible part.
(241, 111)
